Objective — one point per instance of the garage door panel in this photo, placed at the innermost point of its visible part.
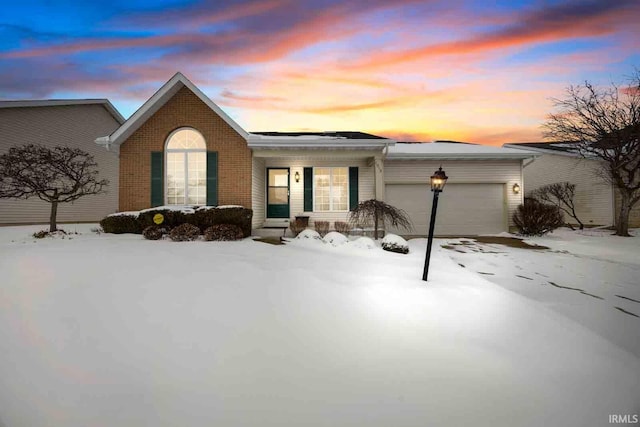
(463, 209)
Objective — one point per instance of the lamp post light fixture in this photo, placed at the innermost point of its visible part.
(438, 181)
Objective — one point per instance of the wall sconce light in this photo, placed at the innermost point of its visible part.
(516, 188)
(297, 176)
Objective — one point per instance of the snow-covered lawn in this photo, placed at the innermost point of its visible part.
(107, 330)
(589, 276)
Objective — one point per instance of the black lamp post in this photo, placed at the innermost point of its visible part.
(438, 180)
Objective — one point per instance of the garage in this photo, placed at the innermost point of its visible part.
(463, 209)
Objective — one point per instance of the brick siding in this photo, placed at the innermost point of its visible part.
(184, 109)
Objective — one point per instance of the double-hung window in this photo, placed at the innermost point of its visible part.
(331, 189)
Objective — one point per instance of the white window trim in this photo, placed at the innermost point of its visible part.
(331, 188)
(186, 169)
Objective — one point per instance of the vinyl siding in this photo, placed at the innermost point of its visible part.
(74, 126)
(507, 172)
(366, 184)
(258, 191)
(594, 197)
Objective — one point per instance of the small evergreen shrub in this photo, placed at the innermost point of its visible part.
(239, 216)
(297, 226)
(395, 243)
(342, 227)
(171, 218)
(322, 227)
(184, 233)
(41, 234)
(119, 224)
(223, 232)
(536, 219)
(334, 238)
(309, 234)
(154, 232)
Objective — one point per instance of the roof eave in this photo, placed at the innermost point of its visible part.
(162, 95)
(456, 156)
(542, 150)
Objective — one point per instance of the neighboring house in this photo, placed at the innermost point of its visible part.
(557, 162)
(181, 148)
(71, 123)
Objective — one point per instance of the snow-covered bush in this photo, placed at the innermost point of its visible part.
(308, 234)
(171, 218)
(342, 227)
(335, 238)
(118, 224)
(184, 233)
(203, 217)
(536, 219)
(223, 232)
(363, 243)
(236, 215)
(322, 227)
(154, 232)
(395, 243)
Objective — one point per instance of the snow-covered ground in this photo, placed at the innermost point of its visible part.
(107, 330)
(589, 276)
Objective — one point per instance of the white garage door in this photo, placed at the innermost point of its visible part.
(463, 209)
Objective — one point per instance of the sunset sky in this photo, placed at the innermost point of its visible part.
(478, 71)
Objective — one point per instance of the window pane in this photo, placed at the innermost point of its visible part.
(186, 139)
(321, 191)
(339, 189)
(278, 196)
(197, 185)
(278, 177)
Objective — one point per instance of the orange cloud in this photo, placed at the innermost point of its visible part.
(547, 25)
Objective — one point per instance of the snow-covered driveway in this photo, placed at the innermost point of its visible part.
(589, 276)
(106, 330)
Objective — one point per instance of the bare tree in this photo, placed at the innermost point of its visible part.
(55, 175)
(604, 124)
(560, 194)
(379, 213)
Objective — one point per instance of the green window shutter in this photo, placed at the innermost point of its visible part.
(212, 178)
(157, 178)
(353, 188)
(308, 189)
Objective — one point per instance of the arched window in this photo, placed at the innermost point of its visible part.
(186, 166)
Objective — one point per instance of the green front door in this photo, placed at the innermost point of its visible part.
(278, 193)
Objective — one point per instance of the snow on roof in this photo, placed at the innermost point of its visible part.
(562, 148)
(442, 150)
(328, 140)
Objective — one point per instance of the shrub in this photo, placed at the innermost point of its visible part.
(171, 218)
(334, 238)
(221, 232)
(118, 224)
(395, 243)
(342, 227)
(377, 212)
(309, 234)
(536, 219)
(184, 233)
(154, 232)
(322, 227)
(41, 234)
(206, 217)
(297, 226)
